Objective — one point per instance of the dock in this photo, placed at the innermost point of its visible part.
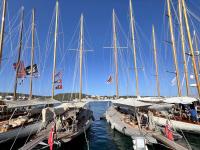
(167, 142)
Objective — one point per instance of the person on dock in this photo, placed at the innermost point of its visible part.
(168, 131)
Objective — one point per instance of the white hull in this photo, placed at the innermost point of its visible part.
(116, 121)
(20, 132)
(179, 125)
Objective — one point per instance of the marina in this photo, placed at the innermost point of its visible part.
(135, 86)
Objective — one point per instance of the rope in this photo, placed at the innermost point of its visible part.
(188, 144)
(87, 142)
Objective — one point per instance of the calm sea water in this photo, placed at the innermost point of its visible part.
(102, 137)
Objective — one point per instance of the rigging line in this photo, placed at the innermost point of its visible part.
(173, 8)
(193, 14)
(85, 71)
(9, 30)
(75, 73)
(87, 34)
(48, 39)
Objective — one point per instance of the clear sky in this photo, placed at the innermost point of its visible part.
(98, 34)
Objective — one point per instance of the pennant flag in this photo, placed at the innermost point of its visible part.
(51, 138)
(28, 69)
(173, 81)
(58, 87)
(21, 69)
(109, 80)
(58, 81)
(58, 75)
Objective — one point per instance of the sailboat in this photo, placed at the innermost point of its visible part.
(180, 121)
(77, 118)
(70, 119)
(122, 111)
(128, 116)
(21, 117)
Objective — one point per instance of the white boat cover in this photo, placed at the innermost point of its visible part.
(71, 105)
(26, 103)
(161, 107)
(180, 100)
(151, 99)
(130, 102)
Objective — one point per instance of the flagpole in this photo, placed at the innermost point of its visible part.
(55, 47)
(2, 29)
(81, 56)
(174, 47)
(115, 54)
(32, 52)
(19, 52)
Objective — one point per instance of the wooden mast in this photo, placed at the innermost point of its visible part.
(134, 48)
(190, 46)
(183, 47)
(115, 52)
(174, 47)
(2, 29)
(81, 56)
(55, 47)
(155, 61)
(19, 52)
(32, 52)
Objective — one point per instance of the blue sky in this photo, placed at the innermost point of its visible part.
(98, 34)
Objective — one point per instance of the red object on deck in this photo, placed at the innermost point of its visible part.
(51, 138)
(168, 132)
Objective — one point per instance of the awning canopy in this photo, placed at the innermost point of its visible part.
(27, 103)
(151, 99)
(180, 100)
(130, 102)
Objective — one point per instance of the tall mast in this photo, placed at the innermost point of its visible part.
(183, 47)
(2, 29)
(191, 47)
(81, 55)
(32, 52)
(55, 47)
(19, 51)
(173, 47)
(155, 61)
(134, 48)
(115, 52)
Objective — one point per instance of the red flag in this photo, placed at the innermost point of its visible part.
(58, 87)
(51, 138)
(21, 69)
(109, 80)
(58, 81)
